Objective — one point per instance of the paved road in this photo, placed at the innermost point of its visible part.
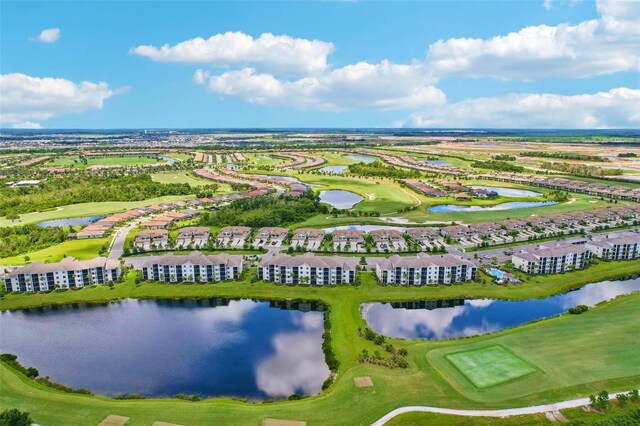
(117, 244)
(535, 409)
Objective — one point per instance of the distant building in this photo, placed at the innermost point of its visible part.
(484, 193)
(308, 269)
(617, 248)
(195, 267)
(424, 269)
(198, 236)
(552, 259)
(68, 273)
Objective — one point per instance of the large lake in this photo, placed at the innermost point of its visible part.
(340, 199)
(454, 208)
(210, 347)
(444, 319)
(361, 158)
(508, 192)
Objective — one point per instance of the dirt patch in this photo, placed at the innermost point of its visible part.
(114, 420)
(280, 422)
(363, 382)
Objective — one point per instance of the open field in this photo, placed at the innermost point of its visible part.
(127, 161)
(187, 177)
(572, 352)
(89, 209)
(80, 249)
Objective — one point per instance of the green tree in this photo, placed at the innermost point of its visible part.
(15, 417)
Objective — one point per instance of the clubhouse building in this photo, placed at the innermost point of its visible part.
(194, 267)
(68, 273)
(308, 269)
(552, 259)
(424, 269)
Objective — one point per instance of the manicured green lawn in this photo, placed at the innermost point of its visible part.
(89, 209)
(80, 249)
(489, 366)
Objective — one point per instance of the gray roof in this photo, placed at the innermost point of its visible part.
(309, 259)
(196, 258)
(66, 264)
(423, 260)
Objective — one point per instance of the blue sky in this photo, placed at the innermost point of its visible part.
(572, 68)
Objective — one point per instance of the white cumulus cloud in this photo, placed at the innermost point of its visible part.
(50, 35)
(617, 108)
(26, 100)
(269, 53)
(600, 46)
(382, 86)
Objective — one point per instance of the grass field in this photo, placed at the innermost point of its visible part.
(187, 177)
(574, 354)
(89, 209)
(127, 161)
(80, 249)
(489, 366)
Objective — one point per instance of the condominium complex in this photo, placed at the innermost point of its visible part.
(618, 248)
(552, 259)
(424, 269)
(308, 269)
(195, 267)
(68, 273)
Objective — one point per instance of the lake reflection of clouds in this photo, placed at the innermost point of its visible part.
(483, 316)
(297, 366)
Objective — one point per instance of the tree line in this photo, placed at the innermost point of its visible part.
(379, 169)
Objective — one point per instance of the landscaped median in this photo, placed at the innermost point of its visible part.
(568, 355)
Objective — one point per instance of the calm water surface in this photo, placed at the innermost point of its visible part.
(211, 347)
(74, 221)
(460, 318)
(336, 170)
(361, 158)
(454, 208)
(508, 192)
(340, 199)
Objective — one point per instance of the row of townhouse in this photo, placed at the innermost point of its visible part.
(295, 188)
(308, 269)
(195, 267)
(578, 186)
(197, 236)
(544, 224)
(552, 258)
(68, 273)
(623, 247)
(424, 270)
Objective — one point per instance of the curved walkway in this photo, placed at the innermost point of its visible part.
(534, 409)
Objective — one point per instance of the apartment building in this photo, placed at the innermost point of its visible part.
(195, 267)
(68, 273)
(152, 237)
(308, 269)
(618, 248)
(424, 269)
(552, 259)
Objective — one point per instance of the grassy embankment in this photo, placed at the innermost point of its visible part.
(572, 356)
(80, 249)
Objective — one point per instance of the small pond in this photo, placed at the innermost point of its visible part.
(169, 160)
(454, 208)
(232, 166)
(508, 192)
(445, 319)
(361, 158)
(74, 221)
(209, 347)
(335, 170)
(436, 162)
(340, 199)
